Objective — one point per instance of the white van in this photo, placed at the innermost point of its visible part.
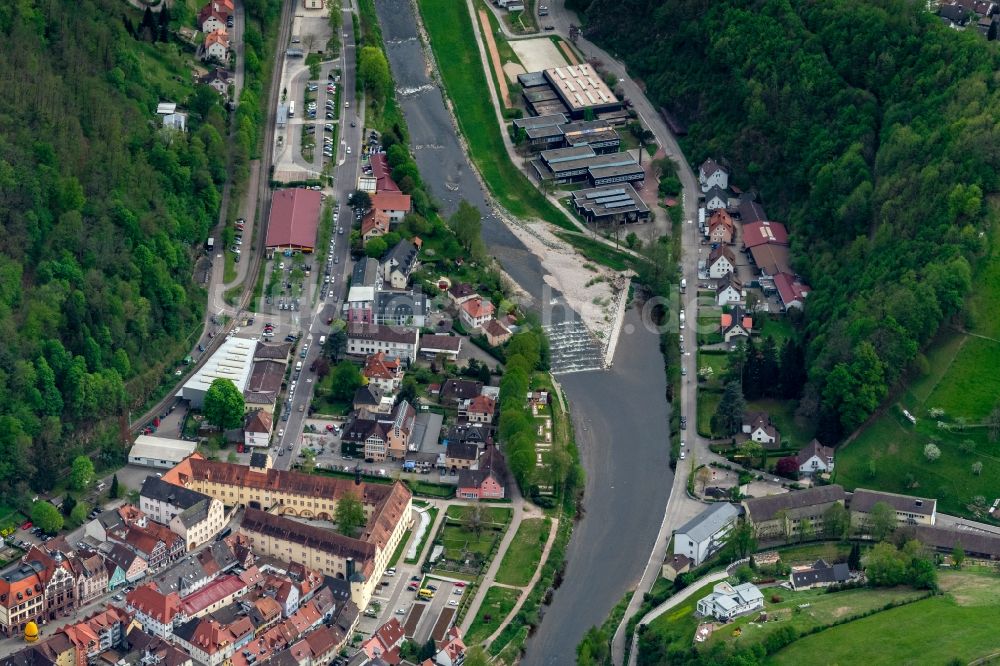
(322, 339)
(298, 365)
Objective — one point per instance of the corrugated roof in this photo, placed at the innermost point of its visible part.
(294, 218)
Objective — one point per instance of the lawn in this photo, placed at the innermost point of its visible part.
(449, 28)
(596, 251)
(708, 403)
(496, 515)
(715, 360)
(778, 328)
(831, 551)
(525, 552)
(971, 385)
(932, 631)
(822, 610)
(462, 544)
(497, 603)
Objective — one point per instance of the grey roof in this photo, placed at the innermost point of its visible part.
(195, 514)
(550, 120)
(180, 576)
(441, 342)
(973, 542)
(365, 273)
(863, 500)
(368, 395)
(463, 450)
(396, 303)
(708, 523)
(156, 488)
(427, 432)
(276, 350)
(766, 508)
(403, 256)
(528, 79)
(751, 211)
(716, 191)
(821, 572)
(258, 459)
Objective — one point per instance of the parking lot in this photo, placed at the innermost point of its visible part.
(397, 597)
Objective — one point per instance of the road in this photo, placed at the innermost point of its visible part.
(314, 313)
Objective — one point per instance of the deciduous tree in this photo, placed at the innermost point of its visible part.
(82, 473)
(349, 514)
(47, 517)
(224, 404)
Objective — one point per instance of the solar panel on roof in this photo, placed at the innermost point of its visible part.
(603, 193)
(608, 200)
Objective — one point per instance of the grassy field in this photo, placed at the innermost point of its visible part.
(961, 379)
(524, 553)
(831, 551)
(822, 610)
(496, 605)
(708, 403)
(715, 360)
(932, 631)
(780, 328)
(449, 27)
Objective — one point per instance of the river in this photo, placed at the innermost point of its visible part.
(620, 415)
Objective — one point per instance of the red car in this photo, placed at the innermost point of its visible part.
(27, 526)
(329, 427)
(459, 584)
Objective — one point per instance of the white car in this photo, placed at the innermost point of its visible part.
(348, 150)
(452, 602)
(281, 433)
(400, 611)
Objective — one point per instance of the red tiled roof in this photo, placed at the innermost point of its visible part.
(477, 307)
(482, 404)
(380, 366)
(149, 601)
(495, 328)
(790, 289)
(217, 37)
(218, 589)
(381, 172)
(294, 218)
(375, 220)
(390, 200)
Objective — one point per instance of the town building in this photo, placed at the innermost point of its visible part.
(448, 346)
(582, 163)
(219, 78)
(475, 312)
(368, 339)
(383, 372)
(735, 324)
(216, 46)
(455, 391)
(496, 333)
(716, 198)
(721, 228)
(721, 260)
(703, 536)
(712, 174)
(377, 437)
(480, 409)
(398, 264)
(488, 480)
(909, 510)
(675, 566)
(582, 91)
(394, 205)
(728, 290)
(257, 431)
(233, 360)
(400, 308)
(781, 516)
(375, 223)
(611, 204)
(791, 290)
(758, 427)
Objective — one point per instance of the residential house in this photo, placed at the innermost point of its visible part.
(455, 391)
(361, 304)
(448, 346)
(475, 433)
(367, 339)
(383, 372)
(171, 117)
(451, 648)
(729, 601)
(379, 436)
(760, 429)
(735, 324)
(781, 516)
(398, 264)
(147, 650)
(156, 611)
(488, 480)
(703, 536)
(728, 290)
(219, 78)
(791, 290)
(749, 210)
(721, 260)
(909, 510)
(161, 501)
(369, 397)
(496, 333)
(480, 409)
(374, 224)
(91, 576)
(954, 15)
(212, 642)
(820, 574)
(385, 641)
(394, 205)
(814, 458)
(720, 227)
(212, 17)
(257, 431)
(116, 575)
(475, 312)
(712, 174)
(132, 565)
(400, 308)
(314, 4)
(716, 198)
(216, 45)
(461, 292)
(367, 272)
(461, 455)
(675, 566)
(57, 578)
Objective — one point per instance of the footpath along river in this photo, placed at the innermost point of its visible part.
(620, 415)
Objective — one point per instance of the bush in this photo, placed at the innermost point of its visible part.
(776, 599)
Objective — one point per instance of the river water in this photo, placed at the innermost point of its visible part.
(620, 415)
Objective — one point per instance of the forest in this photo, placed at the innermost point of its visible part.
(102, 213)
(870, 129)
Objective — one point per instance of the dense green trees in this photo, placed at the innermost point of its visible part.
(349, 514)
(224, 404)
(345, 381)
(101, 214)
(81, 473)
(515, 429)
(868, 128)
(46, 516)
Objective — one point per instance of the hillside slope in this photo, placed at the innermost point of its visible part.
(102, 213)
(869, 128)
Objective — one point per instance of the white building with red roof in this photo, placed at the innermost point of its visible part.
(475, 312)
(791, 290)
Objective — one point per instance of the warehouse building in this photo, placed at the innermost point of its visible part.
(615, 204)
(582, 90)
(581, 163)
(232, 361)
(161, 452)
(293, 221)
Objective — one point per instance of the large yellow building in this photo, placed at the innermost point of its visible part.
(268, 494)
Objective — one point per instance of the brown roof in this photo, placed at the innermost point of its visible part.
(491, 464)
(294, 218)
(460, 389)
(984, 544)
(259, 421)
(273, 351)
(266, 377)
(381, 366)
(863, 500)
(461, 290)
(310, 536)
(772, 259)
(375, 220)
(720, 216)
(482, 404)
(814, 448)
(391, 200)
(161, 607)
(442, 342)
(462, 451)
(721, 251)
(478, 307)
(383, 333)
(495, 328)
(762, 509)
